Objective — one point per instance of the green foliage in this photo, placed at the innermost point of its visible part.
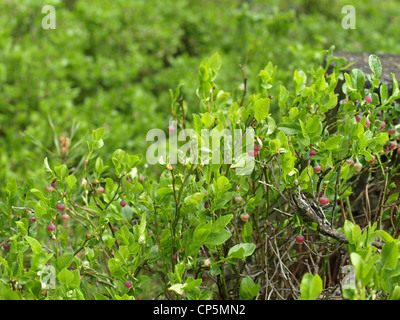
(310, 287)
(375, 271)
(87, 93)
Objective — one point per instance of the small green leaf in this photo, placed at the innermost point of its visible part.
(207, 119)
(64, 261)
(40, 195)
(396, 293)
(392, 197)
(289, 127)
(248, 289)
(76, 280)
(98, 296)
(386, 237)
(358, 264)
(274, 145)
(221, 222)
(357, 79)
(247, 232)
(192, 283)
(356, 233)
(115, 268)
(390, 255)
(283, 96)
(61, 171)
(348, 231)
(178, 288)
(35, 245)
(6, 293)
(201, 233)
(11, 188)
(375, 65)
(241, 250)
(216, 239)
(384, 92)
(333, 142)
(261, 108)
(65, 276)
(4, 262)
(163, 192)
(46, 164)
(71, 182)
(310, 287)
(98, 134)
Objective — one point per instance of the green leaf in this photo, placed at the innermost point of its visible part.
(392, 197)
(395, 293)
(386, 237)
(123, 252)
(283, 96)
(271, 125)
(221, 222)
(384, 92)
(201, 233)
(125, 236)
(375, 65)
(289, 127)
(35, 245)
(390, 255)
(40, 195)
(142, 229)
(64, 261)
(61, 171)
(46, 164)
(216, 239)
(39, 260)
(248, 289)
(357, 79)
(358, 264)
(192, 283)
(197, 124)
(222, 183)
(98, 296)
(163, 192)
(11, 188)
(207, 119)
(4, 209)
(300, 79)
(356, 233)
(348, 231)
(23, 225)
(98, 134)
(4, 262)
(76, 280)
(333, 142)
(114, 266)
(6, 293)
(247, 232)
(274, 145)
(133, 160)
(65, 276)
(215, 61)
(71, 182)
(310, 287)
(261, 108)
(241, 250)
(99, 166)
(118, 158)
(178, 288)
(127, 213)
(349, 82)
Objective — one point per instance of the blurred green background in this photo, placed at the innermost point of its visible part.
(111, 63)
